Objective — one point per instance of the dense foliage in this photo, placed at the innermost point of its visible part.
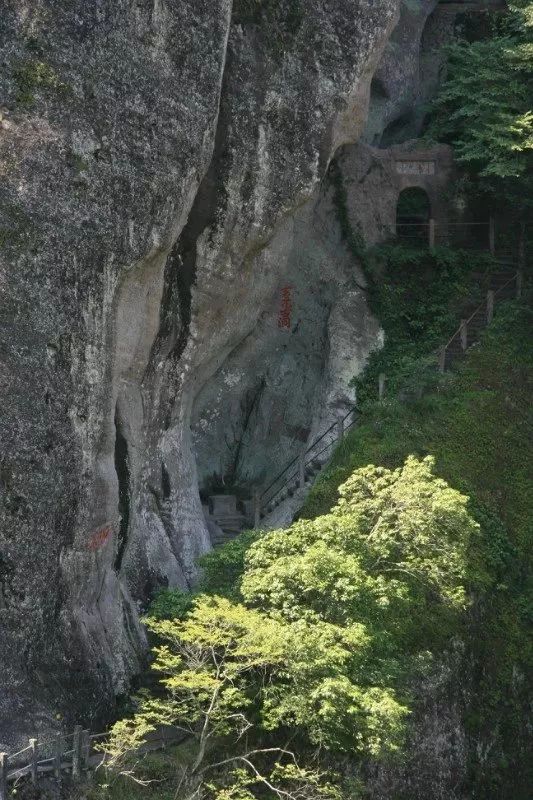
(418, 295)
(478, 424)
(485, 106)
(338, 615)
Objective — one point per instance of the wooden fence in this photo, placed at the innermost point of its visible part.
(504, 243)
(76, 753)
(70, 755)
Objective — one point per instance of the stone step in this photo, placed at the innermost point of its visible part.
(233, 528)
(223, 518)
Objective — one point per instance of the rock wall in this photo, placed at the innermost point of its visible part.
(409, 72)
(290, 378)
(154, 155)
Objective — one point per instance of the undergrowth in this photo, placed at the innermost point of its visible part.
(418, 295)
(416, 292)
(478, 424)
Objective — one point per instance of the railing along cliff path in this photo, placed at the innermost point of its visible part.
(71, 755)
(77, 753)
(305, 466)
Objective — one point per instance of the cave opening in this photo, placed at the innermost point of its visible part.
(122, 468)
(413, 213)
(165, 482)
(400, 130)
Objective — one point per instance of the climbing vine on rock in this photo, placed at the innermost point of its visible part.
(352, 237)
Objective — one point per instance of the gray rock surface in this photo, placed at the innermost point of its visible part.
(409, 72)
(153, 157)
(176, 302)
(289, 379)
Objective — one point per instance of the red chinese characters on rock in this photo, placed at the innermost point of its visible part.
(99, 538)
(284, 317)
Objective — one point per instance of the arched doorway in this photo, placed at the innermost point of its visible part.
(413, 213)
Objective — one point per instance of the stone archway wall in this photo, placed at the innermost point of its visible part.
(374, 180)
(413, 205)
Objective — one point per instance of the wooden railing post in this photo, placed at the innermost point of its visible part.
(522, 246)
(33, 761)
(340, 429)
(492, 235)
(76, 752)
(432, 233)
(58, 752)
(382, 380)
(464, 334)
(490, 306)
(442, 359)
(86, 749)
(519, 284)
(301, 471)
(257, 509)
(3, 776)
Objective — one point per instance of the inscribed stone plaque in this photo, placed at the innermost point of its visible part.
(415, 167)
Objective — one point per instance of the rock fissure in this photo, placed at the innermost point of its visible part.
(122, 469)
(197, 150)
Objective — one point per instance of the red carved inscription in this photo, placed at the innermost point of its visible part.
(284, 317)
(100, 537)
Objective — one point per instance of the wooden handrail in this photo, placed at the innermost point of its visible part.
(81, 759)
(481, 307)
(294, 477)
(308, 456)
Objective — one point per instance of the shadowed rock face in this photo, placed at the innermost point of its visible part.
(153, 155)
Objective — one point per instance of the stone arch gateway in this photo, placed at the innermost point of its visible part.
(375, 179)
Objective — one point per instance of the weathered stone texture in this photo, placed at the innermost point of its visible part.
(101, 154)
(143, 234)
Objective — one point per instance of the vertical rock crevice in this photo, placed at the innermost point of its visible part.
(111, 174)
(123, 470)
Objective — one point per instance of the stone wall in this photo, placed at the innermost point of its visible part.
(374, 179)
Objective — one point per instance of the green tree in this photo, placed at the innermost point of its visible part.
(478, 422)
(216, 667)
(312, 667)
(485, 106)
(391, 554)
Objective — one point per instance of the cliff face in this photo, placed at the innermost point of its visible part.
(156, 159)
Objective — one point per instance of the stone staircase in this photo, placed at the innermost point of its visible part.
(310, 472)
(226, 516)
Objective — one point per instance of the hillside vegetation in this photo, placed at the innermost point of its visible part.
(478, 425)
(302, 663)
(294, 665)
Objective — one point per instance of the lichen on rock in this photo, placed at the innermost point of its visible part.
(151, 179)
